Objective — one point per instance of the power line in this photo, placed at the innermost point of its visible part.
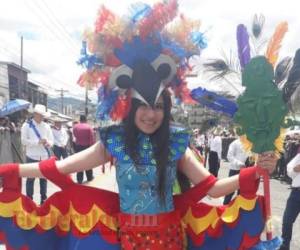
(34, 64)
(60, 25)
(72, 94)
(44, 23)
(37, 82)
(29, 61)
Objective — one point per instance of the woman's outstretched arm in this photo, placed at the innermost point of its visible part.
(87, 159)
(196, 172)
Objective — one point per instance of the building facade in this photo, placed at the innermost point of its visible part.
(14, 84)
(4, 85)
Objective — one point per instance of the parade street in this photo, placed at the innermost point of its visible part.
(279, 194)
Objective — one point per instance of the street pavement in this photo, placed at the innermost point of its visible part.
(279, 194)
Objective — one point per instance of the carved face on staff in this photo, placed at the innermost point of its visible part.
(261, 110)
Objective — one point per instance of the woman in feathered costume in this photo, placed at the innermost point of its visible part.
(137, 62)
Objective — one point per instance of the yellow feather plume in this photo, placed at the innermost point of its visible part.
(275, 43)
(246, 143)
(278, 143)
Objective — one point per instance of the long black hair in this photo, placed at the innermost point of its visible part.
(160, 140)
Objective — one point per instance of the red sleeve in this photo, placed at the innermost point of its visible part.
(10, 174)
(194, 194)
(49, 169)
(248, 182)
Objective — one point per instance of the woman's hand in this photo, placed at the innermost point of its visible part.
(267, 160)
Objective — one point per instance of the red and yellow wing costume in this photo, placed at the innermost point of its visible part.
(80, 217)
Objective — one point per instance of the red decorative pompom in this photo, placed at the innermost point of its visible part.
(121, 107)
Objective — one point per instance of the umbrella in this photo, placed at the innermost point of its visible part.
(13, 106)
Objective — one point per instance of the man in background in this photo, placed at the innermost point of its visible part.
(84, 137)
(61, 138)
(237, 157)
(36, 136)
(215, 153)
(292, 208)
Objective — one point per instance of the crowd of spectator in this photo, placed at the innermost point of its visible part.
(291, 146)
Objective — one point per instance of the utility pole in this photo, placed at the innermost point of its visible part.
(86, 111)
(20, 86)
(21, 61)
(62, 91)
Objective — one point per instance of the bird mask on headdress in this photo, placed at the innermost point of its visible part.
(139, 56)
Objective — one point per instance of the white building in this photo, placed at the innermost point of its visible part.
(4, 85)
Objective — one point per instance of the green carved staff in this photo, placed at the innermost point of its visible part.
(261, 116)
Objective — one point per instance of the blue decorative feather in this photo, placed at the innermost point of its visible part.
(137, 49)
(243, 44)
(86, 60)
(138, 11)
(214, 101)
(174, 47)
(106, 104)
(198, 39)
(102, 93)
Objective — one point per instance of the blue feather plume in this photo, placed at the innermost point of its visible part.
(138, 11)
(106, 104)
(174, 47)
(198, 39)
(86, 60)
(102, 93)
(132, 51)
(214, 101)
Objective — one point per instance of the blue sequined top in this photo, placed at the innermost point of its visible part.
(138, 183)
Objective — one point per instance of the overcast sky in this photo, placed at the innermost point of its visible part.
(52, 32)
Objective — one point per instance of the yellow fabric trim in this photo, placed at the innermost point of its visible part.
(230, 215)
(83, 222)
(200, 224)
(7, 210)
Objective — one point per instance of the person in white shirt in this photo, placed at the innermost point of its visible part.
(215, 153)
(237, 157)
(292, 208)
(61, 139)
(36, 136)
(200, 142)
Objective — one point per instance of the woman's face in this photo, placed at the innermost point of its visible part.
(149, 119)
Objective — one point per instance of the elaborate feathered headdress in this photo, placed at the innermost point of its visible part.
(139, 55)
